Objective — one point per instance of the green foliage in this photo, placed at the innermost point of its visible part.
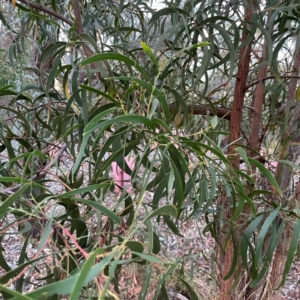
(112, 106)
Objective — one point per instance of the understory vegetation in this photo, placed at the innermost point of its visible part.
(131, 129)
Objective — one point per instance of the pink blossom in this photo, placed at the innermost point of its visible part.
(120, 177)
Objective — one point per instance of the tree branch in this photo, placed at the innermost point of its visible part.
(48, 11)
(77, 15)
(79, 30)
(269, 77)
(78, 22)
(224, 113)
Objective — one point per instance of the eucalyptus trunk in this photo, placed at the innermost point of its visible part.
(255, 139)
(284, 176)
(267, 289)
(225, 255)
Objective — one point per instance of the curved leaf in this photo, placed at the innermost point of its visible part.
(113, 56)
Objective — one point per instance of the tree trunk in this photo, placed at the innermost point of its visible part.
(240, 89)
(254, 142)
(284, 177)
(267, 289)
(259, 97)
(224, 255)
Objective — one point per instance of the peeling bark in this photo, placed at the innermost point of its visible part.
(259, 97)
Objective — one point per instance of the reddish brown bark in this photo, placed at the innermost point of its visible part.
(240, 90)
(256, 292)
(225, 256)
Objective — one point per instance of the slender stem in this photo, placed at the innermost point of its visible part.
(48, 11)
(270, 77)
(79, 30)
(195, 109)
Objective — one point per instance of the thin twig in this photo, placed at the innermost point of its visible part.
(58, 179)
(72, 238)
(270, 77)
(39, 174)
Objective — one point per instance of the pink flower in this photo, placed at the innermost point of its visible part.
(120, 177)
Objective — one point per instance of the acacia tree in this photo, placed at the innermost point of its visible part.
(206, 69)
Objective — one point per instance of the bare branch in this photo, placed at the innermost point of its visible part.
(269, 77)
(77, 14)
(224, 113)
(48, 11)
(78, 22)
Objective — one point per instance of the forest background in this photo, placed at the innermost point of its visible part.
(150, 148)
